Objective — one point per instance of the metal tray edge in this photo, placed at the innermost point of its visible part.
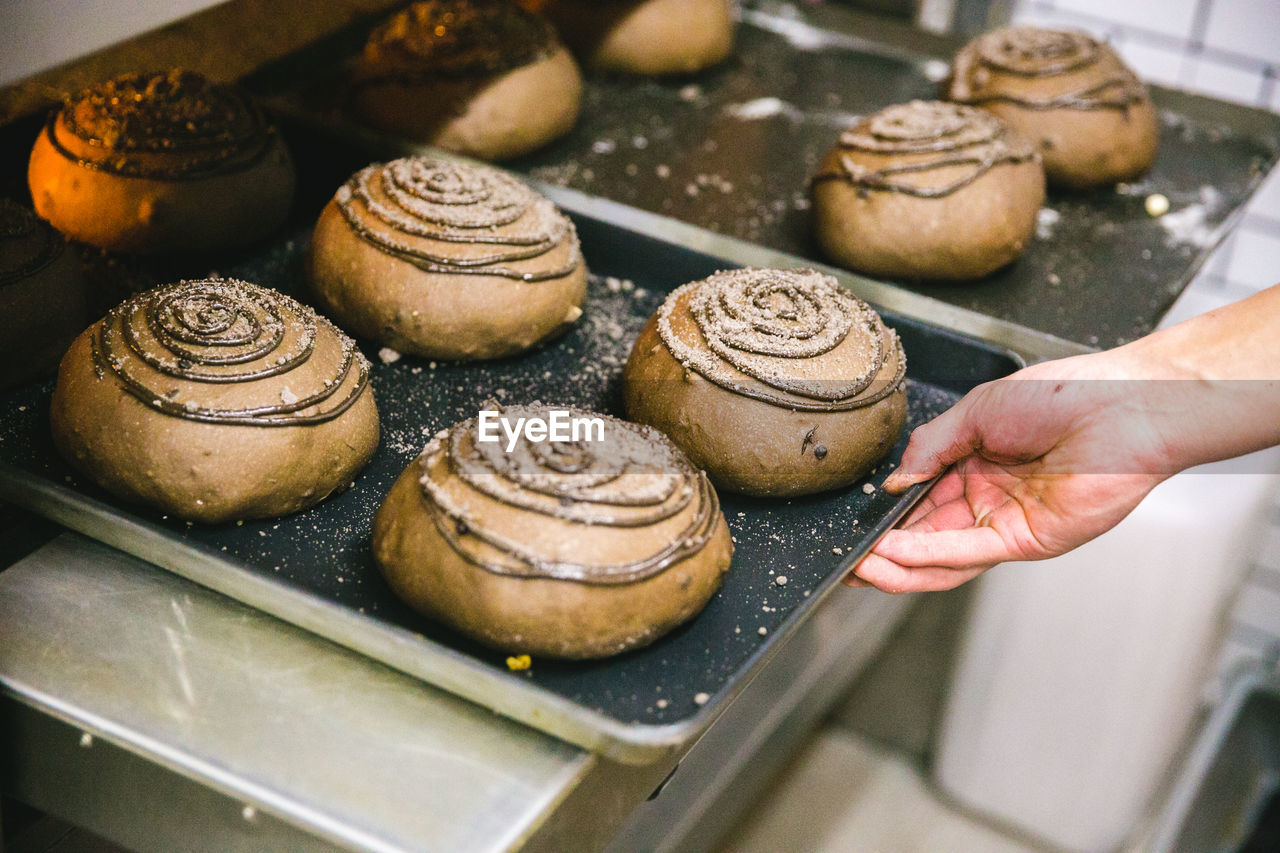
(445, 669)
(1024, 344)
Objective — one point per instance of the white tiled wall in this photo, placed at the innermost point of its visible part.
(1255, 255)
(1245, 28)
(1228, 49)
(1173, 18)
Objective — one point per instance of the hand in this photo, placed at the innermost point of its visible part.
(1046, 459)
(1035, 465)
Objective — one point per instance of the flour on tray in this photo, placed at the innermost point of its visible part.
(1189, 225)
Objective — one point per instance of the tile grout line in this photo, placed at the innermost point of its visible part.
(1199, 26)
(1186, 46)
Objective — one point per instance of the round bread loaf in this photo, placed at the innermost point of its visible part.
(570, 549)
(479, 77)
(927, 190)
(446, 260)
(776, 382)
(162, 162)
(1069, 94)
(215, 401)
(644, 36)
(43, 301)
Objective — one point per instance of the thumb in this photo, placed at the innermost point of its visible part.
(935, 446)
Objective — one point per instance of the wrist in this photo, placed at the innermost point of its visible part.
(1161, 404)
(1164, 355)
(1200, 394)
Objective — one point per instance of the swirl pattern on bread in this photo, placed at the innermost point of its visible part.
(457, 38)
(932, 138)
(172, 125)
(43, 295)
(1037, 53)
(27, 243)
(174, 347)
(792, 338)
(631, 480)
(481, 221)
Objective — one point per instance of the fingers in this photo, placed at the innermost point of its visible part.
(921, 510)
(952, 515)
(949, 488)
(933, 447)
(944, 507)
(888, 576)
(908, 561)
(964, 548)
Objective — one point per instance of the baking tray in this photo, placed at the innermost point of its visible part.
(731, 150)
(314, 569)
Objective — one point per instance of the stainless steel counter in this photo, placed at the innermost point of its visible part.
(164, 716)
(124, 684)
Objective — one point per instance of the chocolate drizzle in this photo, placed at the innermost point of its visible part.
(172, 346)
(927, 137)
(27, 243)
(633, 479)
(418, 208)
(174, 125)
(1035, 53)
(456, 38)
(808, 344)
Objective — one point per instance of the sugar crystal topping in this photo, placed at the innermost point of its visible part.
(933, 138)
(172, 347)
(394, 204)
(1083, 73)
(630, 479)
(458, 38)
(170, 125)
(808, 343)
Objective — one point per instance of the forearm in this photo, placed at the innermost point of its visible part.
(1212, 383)
(1237, 341)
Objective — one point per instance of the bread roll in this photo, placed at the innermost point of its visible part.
(928, 190)
(479, 77)
(43, 303)
(161, 162)
(446, 260)
(776, 382)
(1069, 94)
(570, 549)
(215, 400)
(653, 37)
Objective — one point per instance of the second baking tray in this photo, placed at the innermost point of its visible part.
(314, 569)
(731, 150)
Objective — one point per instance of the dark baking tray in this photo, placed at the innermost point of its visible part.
(1101, 272)
(736, 145)
(314, 568)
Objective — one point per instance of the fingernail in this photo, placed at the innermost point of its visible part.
(854, 581)
(898, 480)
